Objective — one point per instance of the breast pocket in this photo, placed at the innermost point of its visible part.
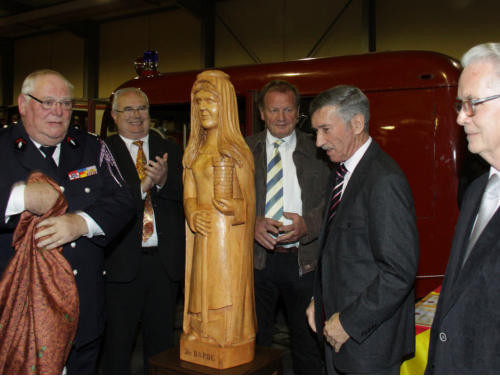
(82, 192)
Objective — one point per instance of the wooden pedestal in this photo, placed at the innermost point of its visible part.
(267, 361)
(215, 356)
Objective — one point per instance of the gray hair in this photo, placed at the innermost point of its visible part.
(348, 100)
(119, 92)
(30, 81)
(485, 51)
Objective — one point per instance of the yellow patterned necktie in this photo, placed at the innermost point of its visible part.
(147, 221)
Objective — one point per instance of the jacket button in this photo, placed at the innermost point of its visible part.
(73, 245)
(87, 190)
(75, 271)
(442, 337)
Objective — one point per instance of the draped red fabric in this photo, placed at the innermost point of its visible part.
(38, 300)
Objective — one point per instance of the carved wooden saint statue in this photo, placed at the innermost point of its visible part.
(219, 202)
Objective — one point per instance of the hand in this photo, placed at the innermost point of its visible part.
(310, 316)
(225, 205)
(202, 221)
(294, 231)
(39, 197)
(263, 228)
(60, 230)
(156, 173)
(334, 332)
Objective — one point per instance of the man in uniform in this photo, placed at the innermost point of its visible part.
(99, 204)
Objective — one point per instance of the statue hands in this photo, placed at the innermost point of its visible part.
(202, 221)
(226, 206)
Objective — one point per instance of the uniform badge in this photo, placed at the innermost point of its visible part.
(73, 142)
(82, 173)
(20, 144)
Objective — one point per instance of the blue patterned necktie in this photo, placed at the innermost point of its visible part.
(274, 186)
(337, 191)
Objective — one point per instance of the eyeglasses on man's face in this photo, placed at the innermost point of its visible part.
(129, 111)
(50, 103)
(469, 105)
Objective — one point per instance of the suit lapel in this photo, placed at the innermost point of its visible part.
(71, 154)
(356, 181)
(457, 277)
(27, 153)
(154, 146)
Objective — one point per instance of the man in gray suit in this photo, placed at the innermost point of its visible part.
(465, 335)
(364, 288)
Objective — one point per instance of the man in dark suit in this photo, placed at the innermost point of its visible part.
(144, 268)
(364, 290)
(99, 205)
(285, 264)
(465, 335)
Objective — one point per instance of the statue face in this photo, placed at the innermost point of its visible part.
(208, 109)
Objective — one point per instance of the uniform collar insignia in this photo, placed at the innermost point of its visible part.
(20, 144)
(73, 142)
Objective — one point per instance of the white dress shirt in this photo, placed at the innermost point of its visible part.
(351, 163)
(292, 201)
(132, 149)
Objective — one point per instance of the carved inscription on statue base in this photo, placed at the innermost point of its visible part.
(215, 356)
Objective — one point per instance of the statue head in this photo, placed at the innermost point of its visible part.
(214, 86)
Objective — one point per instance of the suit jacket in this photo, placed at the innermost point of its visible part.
(367, 266)
(312, 174)
(103, 196)
(465, 335)
(122, 257)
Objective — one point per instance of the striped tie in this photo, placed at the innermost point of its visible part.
(337, 191)
(274, 187)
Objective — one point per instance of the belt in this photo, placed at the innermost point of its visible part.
(149, 250)
(286, 250)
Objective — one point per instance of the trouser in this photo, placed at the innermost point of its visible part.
(83, 360)
(280, 278)
(149, 299)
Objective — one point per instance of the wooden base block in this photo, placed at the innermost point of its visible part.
(215, 356)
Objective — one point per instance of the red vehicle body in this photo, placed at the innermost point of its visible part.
(412, 117)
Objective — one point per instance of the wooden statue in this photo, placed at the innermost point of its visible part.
(219, 202)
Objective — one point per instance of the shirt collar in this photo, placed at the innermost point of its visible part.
(352, 162)
(289, 140)
(129, 142)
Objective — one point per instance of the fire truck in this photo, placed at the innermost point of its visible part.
(411, 97)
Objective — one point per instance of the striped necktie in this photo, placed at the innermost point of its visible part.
(147, 221)
(337, 191)
(274, 186)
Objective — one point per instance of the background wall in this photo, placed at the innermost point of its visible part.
(272, 30)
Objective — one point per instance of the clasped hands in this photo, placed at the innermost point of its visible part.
(333, 331)
(156, 173)
(56, 231)
(265, 228)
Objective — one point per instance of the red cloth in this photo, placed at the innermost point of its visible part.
(38, 300)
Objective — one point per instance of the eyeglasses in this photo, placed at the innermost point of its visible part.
(49, 104)
(469, 105)
(129, 111)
